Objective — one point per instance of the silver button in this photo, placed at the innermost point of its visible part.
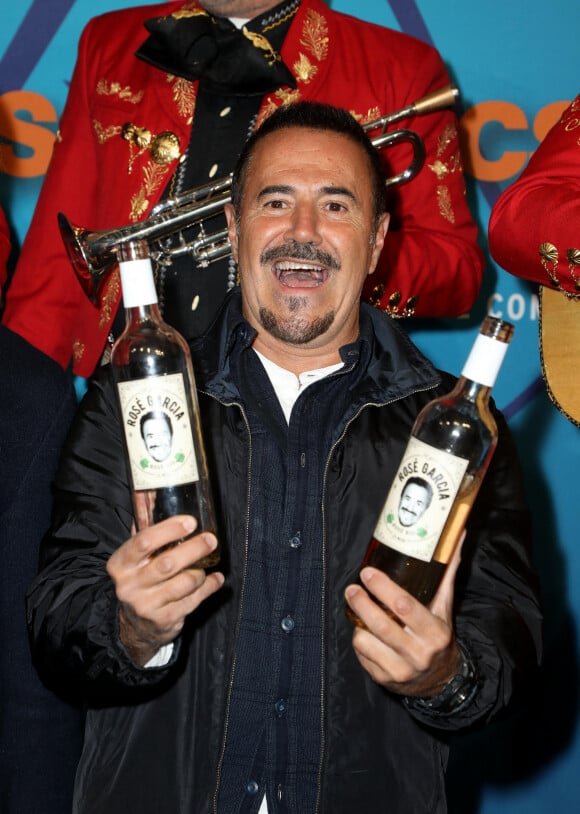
(296, 540)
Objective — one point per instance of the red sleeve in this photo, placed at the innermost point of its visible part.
(431, 253)
(44, 299)
(542, 209)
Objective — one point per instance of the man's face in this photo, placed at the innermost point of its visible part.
(413, 503)
(305, 241)
(157, 437)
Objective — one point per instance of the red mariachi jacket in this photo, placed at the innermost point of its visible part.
(100, 180)
(533, 228)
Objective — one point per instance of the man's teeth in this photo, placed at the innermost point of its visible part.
(289, 265)
(297, 273)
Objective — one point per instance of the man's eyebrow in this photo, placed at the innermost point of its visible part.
(273, 189)
(344, 191)
(287, 189)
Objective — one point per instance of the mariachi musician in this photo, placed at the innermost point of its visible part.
(534, 233)
(126, 140)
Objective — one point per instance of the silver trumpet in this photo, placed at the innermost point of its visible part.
(94, 253)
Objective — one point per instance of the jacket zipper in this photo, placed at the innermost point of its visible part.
(324, 575)
(240, 607)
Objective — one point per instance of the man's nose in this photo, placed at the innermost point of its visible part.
(304, 224)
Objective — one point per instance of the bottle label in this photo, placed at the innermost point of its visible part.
(158, 431)
(420, 500)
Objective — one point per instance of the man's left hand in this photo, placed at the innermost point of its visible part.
(410, 650)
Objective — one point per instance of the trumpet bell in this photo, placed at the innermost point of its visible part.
(90, 266)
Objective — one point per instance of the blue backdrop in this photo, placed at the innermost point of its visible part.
(516, 66)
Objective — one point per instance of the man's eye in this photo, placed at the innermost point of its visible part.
(336, 206)
(275, 204)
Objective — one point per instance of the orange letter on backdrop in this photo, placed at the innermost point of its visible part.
(512, 118)
(472, 123)
(38, 139)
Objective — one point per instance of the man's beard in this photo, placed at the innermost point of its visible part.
(295, 330)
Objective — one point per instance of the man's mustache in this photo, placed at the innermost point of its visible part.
(294, 250)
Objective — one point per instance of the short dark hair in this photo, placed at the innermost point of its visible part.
(415, 480)
(312, 116)
(157, 414)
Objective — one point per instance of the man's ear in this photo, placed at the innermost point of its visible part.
(379, 242)
(232, 229)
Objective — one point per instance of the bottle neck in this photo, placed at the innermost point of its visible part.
(138, 314)
(473, 391)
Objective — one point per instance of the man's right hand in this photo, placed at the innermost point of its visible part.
(157, 588)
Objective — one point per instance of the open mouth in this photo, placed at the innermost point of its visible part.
(300, 274)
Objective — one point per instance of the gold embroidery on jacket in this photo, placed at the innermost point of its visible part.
(315, 35)
(184, 96)
(442, 168)
(105, 88)
(304, 69)
(571, 125)
(188, 10)
(444, 203)
(102, 133)
(393, 305)
(284, 97)
(262, 44)
(439, 168)
(569, 119)
(160, 157)
(110, 299)
(78, 349)
(549, 258)
(446, 138)
(154, 175)
(365, 118)
(315, 39)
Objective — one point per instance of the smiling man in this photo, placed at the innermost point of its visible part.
(312, 234)
(415, 500)
(248, 690)
(157, 434)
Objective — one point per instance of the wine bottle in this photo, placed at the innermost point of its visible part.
(449, 450)
(155, 384)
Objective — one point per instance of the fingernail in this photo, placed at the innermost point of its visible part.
(189, 524)
(210, 541)
(351, 591)
(366, 575)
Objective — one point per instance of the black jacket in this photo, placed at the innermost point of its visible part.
(155, 737)
(40, 734)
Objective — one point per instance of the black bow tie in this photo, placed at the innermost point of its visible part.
(230, 61)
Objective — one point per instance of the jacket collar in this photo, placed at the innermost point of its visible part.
(393, 367)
